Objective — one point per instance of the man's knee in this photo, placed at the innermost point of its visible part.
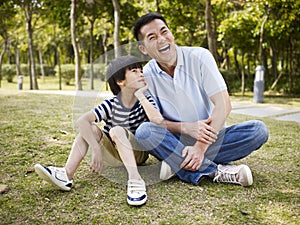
(143, 131)
(262, 131)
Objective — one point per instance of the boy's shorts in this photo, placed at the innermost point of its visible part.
(111, 155)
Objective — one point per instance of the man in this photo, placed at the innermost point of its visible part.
(192, 96)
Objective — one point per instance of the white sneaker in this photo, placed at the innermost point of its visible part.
(166, 171)
(54, 175)
(234, 174)
(136, 192)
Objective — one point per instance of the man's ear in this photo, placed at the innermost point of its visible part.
(142, 49)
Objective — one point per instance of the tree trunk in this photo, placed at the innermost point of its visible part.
(274, 57)
(292, 71)
(28, 16)
(237, 67)
(92, 21)
(75, 46)
(59, 69)
(4, 46)
(117, 27)
(261, 38)
(243, 75)
(210, 33)
(41, 64)
(17, 56)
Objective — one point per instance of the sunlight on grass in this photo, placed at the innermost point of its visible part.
(38, 128)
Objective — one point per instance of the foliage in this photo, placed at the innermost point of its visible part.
(67, 72)
(237, 26)
(9, 72)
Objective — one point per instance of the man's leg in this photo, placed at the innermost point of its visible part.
(237, 141)
(165, 146)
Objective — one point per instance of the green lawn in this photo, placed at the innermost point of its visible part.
(38, 128)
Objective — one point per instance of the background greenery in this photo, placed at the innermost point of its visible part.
(38, 128)
(246, 33)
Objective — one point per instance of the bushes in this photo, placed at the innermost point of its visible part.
(67, 72)
(99, 71)
(8, 72)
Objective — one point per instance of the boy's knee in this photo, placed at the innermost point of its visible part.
(116, 132)
(97, 132)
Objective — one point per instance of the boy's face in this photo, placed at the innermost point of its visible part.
(134, 79)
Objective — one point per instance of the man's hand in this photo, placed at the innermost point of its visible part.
(201, 131)
(97, 161)
(193, 158)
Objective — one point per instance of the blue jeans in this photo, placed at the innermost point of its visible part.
(234, 142)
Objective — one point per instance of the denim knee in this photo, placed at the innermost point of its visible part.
(143, 131)
(262, 133)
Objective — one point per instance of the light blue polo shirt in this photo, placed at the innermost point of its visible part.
(186, 96)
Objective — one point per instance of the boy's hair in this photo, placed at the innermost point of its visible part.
(117, 68)
(142, 21)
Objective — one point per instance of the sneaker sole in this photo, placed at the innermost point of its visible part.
(139, 202)
(45, 175)
(248, 173)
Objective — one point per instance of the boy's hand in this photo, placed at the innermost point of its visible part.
(97, 161)
(140, 92)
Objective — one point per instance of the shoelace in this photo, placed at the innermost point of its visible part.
(225, 177)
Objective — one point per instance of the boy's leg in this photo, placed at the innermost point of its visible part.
(120, 137)
(79, 150)
(62, 176)
(136, 187)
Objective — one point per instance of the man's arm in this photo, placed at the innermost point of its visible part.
(194, 155)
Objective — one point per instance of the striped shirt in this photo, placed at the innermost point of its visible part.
(114, 113)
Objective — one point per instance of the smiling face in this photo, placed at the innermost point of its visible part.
(158, 42)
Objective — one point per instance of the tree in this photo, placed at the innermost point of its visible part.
(117, 27)
(212, 43)
(75, 45)
(29, 8)
(7, 12)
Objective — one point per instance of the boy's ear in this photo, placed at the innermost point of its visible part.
(120, 82)
(142, 49)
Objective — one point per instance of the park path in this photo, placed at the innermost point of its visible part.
(258, 110)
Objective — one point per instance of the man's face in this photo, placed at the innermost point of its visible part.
(158, 42)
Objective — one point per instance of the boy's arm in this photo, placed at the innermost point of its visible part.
(153, 114)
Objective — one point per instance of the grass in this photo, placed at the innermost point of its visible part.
(38, 128)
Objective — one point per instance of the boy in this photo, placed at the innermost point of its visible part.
(122, 114)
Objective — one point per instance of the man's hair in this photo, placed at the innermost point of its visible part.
(117, 69)
(145, 19)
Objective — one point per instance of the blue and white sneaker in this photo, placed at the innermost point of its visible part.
(54, 175)
(136, 192)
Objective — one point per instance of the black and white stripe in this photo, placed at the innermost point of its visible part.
(113, 113)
